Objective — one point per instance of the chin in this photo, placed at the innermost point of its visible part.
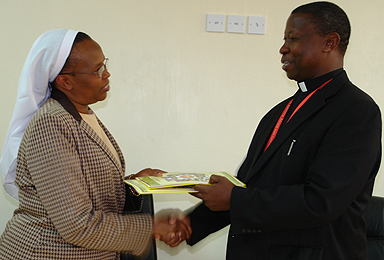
(291, 77)
(103, 97)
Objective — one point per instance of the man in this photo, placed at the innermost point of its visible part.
(312, 163)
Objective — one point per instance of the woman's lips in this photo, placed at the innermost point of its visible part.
(106, 88)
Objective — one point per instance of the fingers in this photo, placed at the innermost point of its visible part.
(214, 179)
(182, 225)
(202, 191)
(158, 172)
(202, 188)
(217, 195)
(187, 221)
(162, 230)
(173, 236)
(171, 239)
(172, 229)
(181, 233)
(172, 218)
(150, 172)
(173, 242)
(197, 195)
(186, 229)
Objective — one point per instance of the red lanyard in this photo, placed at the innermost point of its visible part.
(278, 124)
(280, 121)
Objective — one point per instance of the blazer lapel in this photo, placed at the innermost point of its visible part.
(262, 135)
(115, 145)
(71, 109)
(95, 137)
(313, 105)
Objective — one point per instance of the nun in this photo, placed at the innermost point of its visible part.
(65, 167)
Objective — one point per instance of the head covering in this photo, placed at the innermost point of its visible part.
(44, 62)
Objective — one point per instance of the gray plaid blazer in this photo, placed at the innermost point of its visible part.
(71, 194)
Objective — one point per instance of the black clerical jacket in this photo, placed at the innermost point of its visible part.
(307, 192)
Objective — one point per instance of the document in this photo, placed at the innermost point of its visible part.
(177, 182)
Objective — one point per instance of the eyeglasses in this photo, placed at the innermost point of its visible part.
(99, 72)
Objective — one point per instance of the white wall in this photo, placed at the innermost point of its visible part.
(182, 99)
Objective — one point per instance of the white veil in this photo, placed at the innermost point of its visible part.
(44, 62)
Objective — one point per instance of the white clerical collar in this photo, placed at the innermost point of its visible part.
(303, 87)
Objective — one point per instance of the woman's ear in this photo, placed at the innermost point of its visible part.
(332, 42)
(63, 82)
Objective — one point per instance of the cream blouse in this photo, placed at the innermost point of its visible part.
(91, 120)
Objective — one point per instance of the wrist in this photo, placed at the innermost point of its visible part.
(154, 229)
(131, 177)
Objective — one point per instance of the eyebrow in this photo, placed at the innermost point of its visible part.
(98, 65)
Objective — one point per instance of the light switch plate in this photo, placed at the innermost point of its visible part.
(236, 23)
(215, 22)
(256, 24)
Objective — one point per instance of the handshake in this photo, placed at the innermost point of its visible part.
(172, 227)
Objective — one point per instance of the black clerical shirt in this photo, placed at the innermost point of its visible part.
(307, 88)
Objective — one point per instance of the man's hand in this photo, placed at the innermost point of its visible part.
(172, 227)
(217, 196)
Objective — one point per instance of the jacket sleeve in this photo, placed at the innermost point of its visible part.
(205, 222)
(52, 155)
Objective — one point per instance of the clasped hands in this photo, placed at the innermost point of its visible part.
(172, 226)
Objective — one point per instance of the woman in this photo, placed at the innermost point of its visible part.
(69, 167)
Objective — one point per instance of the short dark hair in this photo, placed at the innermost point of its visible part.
(327, 18)
(71, 62)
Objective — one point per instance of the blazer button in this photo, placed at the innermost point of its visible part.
(244, 230)
(259, 230)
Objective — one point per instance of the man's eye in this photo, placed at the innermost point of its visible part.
(290, 39)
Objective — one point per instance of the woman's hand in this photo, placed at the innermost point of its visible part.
(147, 172)
(172, 229)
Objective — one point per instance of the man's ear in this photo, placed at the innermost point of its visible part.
(64, 82)
(331, 42)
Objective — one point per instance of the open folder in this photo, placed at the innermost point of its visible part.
(177, 182)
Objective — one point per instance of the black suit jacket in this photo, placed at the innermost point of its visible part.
(305, 201)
